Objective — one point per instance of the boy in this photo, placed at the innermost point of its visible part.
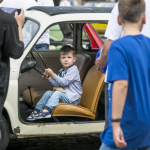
(114, 32)
(128, 70)
(68, 79)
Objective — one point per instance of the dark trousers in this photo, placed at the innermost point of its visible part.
(106, 104)
(43, 46)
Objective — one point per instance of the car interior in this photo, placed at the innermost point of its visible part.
(32, 86)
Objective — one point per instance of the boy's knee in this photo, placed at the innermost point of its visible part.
(57, 92)
(48, 93)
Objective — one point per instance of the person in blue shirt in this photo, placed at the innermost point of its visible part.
(129, 73)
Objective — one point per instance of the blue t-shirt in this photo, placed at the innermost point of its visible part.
(129, 59)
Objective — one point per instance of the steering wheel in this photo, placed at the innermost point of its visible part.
(32, 64)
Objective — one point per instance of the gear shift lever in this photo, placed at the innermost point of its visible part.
(29, 87)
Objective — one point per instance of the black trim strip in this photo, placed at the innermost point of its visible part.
(71, 10)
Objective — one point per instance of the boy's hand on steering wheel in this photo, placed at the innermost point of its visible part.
(49, 72)
(45, 77)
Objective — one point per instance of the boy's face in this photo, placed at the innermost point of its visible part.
(67, 60)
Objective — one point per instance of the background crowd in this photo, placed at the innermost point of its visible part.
(80, 2)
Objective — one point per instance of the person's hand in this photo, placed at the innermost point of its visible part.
(45, 77)
(118, 136)
(101, 62)
(49, 72)
(20, 18)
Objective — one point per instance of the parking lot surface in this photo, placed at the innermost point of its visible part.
(78, 142)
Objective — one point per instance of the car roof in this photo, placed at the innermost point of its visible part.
(70, 10)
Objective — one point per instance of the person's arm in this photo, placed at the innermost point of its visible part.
(119, 93)
(50, 80)
(101, 61)
(55, 84)
(113, 32)
(20, 21)
(66, 80)
(118, 74)
(12, 44)
(61, 81)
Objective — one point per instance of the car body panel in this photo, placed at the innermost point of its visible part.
(59, 129)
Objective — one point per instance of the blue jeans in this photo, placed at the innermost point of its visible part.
(43, 46)
(50, 99)
(105, 147)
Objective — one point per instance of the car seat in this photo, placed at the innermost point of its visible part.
(82, 64)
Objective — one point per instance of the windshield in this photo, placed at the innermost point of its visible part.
(29, 30)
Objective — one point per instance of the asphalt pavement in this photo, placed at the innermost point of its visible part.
(78, 142)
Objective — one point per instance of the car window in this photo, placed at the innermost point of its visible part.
(100, 29)
(55, 33)
(59, 35)
(86, 43)
(93, 36)
(29, 30)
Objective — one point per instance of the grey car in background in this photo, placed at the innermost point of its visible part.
(99, 4)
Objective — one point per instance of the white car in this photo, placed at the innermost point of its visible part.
(26, 85)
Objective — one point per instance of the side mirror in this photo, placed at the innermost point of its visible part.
(28, 66)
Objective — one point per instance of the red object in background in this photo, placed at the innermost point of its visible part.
(93, 35)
